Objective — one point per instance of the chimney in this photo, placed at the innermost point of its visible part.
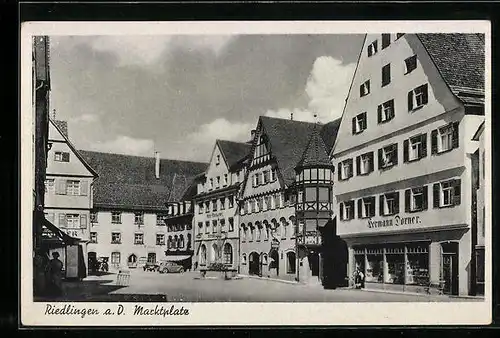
(157, 164)
(291, 116)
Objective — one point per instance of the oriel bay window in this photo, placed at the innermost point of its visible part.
(345, 170)
(385, 111)
(366, 207)
(359, 123)
(388, 156)
(310, 175)
(364, 164)
(418, 97)
(416, 199)
(347, 210)
(447, 194)
(389, 204)
(415, 148)
(445, 138)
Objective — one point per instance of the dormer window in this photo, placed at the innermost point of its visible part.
(372, 48)
(364, 89)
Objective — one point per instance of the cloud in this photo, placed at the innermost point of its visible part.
(328, 86)
(126, 145)
(222, 129)
(86, 118)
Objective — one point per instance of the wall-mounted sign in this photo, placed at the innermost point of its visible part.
(395, 221)
(215, 214)
(275, 243)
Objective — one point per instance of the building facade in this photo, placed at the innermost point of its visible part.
(216, 205)
(68, 191)
(131, 196)
(403, 156)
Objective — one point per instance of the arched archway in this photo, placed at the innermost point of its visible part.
(291, 260)
(214, 253)
(254, 263)
(132, 261)
(228, 254)
(274, 263)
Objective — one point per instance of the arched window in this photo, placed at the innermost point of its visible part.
(176, 241)
(258, 230)
(213, 257)
(181, 241)
(283, 226)
(228, 254)
(169, 243)
(244, 258)
(203, 255)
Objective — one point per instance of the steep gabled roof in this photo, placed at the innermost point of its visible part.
(129, 182)
(315, 153)
(478, 132)
(461, 62)
(234, 152)
(329, 133)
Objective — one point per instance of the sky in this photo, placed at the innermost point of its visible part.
(177, 94)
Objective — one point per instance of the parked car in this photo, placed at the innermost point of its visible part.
(150, 266)
(166, 267)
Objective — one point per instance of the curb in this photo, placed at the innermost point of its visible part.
(420, 294)
(271, 279)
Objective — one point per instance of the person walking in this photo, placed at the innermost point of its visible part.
(54, 274)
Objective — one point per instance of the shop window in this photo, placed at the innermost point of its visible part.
(364, 164)
(410, 64)
(445, 138)
(446, 194)
(388, 156)
(359, 123)
(347, 210)
(386, 74)
(366, 207)
(228, 254)
(389, 204)
(416, 199)
(375, 266)
(372, 48)
(395, 259)
(385, 111)
(418, 97)
(386, 40)
(364, 89)
(417, 272)
(415, 148)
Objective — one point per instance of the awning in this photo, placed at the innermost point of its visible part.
(55, 230)
(176, 258)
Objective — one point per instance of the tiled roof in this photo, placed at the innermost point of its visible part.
(129, 182)
(460, 60)
(329, 133)
(63, 127)
(288, 140)
(315, 153)
(234, 152)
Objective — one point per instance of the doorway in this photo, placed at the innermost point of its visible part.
(92, 262)
(152, 257)
(132, 261)
(274, 264)
(254, 264)
(450, 268)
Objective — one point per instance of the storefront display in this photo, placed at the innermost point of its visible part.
(395, 259)
(417, 266)
(375, 265)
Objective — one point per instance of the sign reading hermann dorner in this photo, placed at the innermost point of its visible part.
(395, 221)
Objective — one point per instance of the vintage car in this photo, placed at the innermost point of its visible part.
(150, 266)
(167, 266)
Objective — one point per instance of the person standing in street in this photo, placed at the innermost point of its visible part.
(54, 274)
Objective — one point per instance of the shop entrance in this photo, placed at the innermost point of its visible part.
(132, 261)
(450, 268)
(274, 264)
(152, 257)
(92, 262)
(254, 264)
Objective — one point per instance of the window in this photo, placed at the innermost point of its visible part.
(244, 258)
(386, 74)
(207, 226)
(93, 217)
(222, 203)
(217, 160)
(389, 204)
(446, 194)
(359, 123)
(116, 217)
(203, 255)
(410, 64)
(385, 111)
(72, 188)
(416, 199)
(93, 237)
(49, 185)
(139, 218)
(347, 210)
(345, 169)
(217, 185)
(366, 207)
(214, 205)
(364, 89)
(386, 40)
(231, 201)
(364, 164)
(61, 156)
(398, 35)
(257, 179)
(211, 184)
(181, 242)
(73, 221)
(225, 179)
(388, 156)
(138, 239)
(207, 207)
(273, 175)
(200, 208)
(115, 258)
(116, 238)
(160, 220)
(372, 48)
(265, 176)
(445, 138)
(417, 97)
(415, 148)
(222, 222)
(214, 226)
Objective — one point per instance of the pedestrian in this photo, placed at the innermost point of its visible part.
(54, 276)
(361, 277)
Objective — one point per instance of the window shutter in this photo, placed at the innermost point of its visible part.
(83, 221)
(410, 101)
(456, 192)
(360, 211)
(354, 125)
(407, 200)
(455, 135)
(396, 202)
(434, 141)
(423, 138)
(65, 157)
(351, 203)
(381, 205)
(60, 185)
(342, 211)
(435, 195)
(339, 165)
(358, 165)
(374, 203)
(84, 188)
(379, 113)
(425, 197)
(363, 121)
(361, 87)
(372, 162)
(406, 144)
(425, 96)
(62, 220)
(351, 172)
(380, 158)
(395, 154)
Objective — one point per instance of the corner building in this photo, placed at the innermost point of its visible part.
(404, 161)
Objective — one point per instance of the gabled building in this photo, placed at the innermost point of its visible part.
(68, 197)
(127, 223)
(403, 156)
(216, 205)
(270, 195)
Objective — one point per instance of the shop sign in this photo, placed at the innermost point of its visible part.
(395, 221)
(214, 214)
(275, 244)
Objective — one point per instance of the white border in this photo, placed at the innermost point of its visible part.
(214, 314)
